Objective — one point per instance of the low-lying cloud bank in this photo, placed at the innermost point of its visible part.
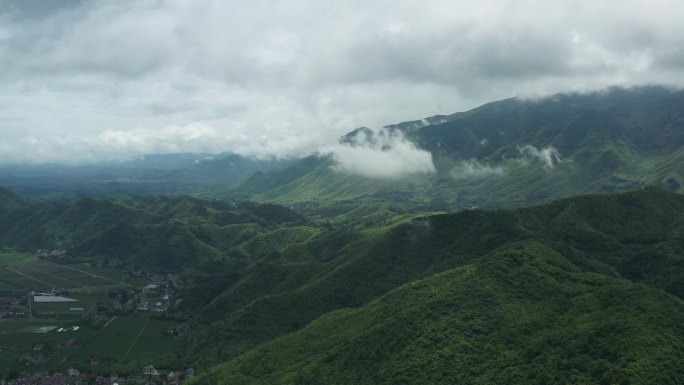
(285, 77)
(548, 155)
(387, 155)
(469, 169)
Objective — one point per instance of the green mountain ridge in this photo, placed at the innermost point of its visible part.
(632, 240)
(587, 288)
(155, 232)
(372, 281)
(612, 140)
(527, 150)
(522, 314)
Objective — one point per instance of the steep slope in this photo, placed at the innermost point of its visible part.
(527, 151)
(633, 237)
(522, 314)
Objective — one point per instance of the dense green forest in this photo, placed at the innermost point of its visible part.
(586, 289)
(527, 151)
(589, 279)
(154, 232)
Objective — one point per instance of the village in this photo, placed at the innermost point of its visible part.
(13, 304)
(101, 295)
(149, 376)
(159, 296)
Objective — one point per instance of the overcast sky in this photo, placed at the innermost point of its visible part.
(91, 80)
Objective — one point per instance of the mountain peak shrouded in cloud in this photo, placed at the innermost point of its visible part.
(86, 81)
(379, 154)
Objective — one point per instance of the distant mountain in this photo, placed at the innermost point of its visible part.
(647, 120)
(171, 174)
(510, 153)
(157, 233)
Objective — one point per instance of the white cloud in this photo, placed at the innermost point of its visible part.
(469, 169)
(548, 155)
(285, 77)
(387, 155)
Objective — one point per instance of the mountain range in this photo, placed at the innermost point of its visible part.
(586, 289)
(526, 150)
(543, 245)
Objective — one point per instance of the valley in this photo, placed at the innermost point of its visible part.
(306, 192)
(546, 247)
(57, 317)
(278, 288)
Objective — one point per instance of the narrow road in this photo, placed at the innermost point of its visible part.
(108, 322)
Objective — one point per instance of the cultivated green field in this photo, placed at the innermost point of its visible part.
(127, 344)
(131, 342)
(23, 271)
(11, 258)
(20, 336)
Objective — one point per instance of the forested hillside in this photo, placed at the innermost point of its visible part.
(587, 288)
(601, 259)
(159, 233)
(527, 151)
(509, 153)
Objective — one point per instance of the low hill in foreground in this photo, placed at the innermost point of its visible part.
(583, 290)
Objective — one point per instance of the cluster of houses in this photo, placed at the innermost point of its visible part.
(52, 253)
(44, 378)
(154, 298)
(31, 359)
(158, 297)
(38, 354)
(13, 304)
(108, 262)
(150, 376)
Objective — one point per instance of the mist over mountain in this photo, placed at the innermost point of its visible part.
(305, 192)
(502, 154)
(89, 81)
(336, 267)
